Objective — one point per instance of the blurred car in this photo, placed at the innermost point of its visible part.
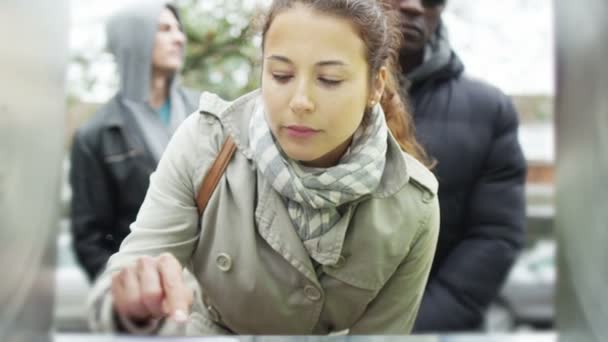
(526, 301)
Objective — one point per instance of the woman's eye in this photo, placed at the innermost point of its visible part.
(330, 82)
(281, 78)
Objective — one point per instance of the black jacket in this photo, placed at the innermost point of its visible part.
(109, 176)
(470, 129)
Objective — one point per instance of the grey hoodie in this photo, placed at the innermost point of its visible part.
(131, 34)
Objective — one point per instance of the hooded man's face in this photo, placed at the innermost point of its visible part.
(169, 42)
(419, 20)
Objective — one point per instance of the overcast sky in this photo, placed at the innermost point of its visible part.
(508, 43)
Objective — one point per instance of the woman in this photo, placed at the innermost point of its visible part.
(324, 220)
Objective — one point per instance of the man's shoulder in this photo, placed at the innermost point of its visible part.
(191, 96)
(190, 91)
(107, 115)
(480, 91)
(472, 98)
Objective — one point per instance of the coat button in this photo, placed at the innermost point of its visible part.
(427, 197)
(210, 120)
(312, 293)
(223, 262)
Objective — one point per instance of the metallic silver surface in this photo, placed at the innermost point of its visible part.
(519, 337)
(33, 36)
(582, 169)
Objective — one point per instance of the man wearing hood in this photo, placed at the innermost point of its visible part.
(115, 152)
(470, 129)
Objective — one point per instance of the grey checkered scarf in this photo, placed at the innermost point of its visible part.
(312, 195)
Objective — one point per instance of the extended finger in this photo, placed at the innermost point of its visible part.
(177, 295)
(150, 286)
(134, 307)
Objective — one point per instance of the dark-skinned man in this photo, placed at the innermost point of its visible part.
(470, 129)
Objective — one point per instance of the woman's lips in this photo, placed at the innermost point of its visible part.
(296, 131)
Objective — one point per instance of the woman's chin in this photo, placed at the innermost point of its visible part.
(302, 157)
(300, 154)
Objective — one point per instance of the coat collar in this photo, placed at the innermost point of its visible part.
(114, 114)
(235, 117)
(118, 117)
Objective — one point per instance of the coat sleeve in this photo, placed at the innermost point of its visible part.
(92, 211)
(394, 309)
(459, 292)
(168, 219)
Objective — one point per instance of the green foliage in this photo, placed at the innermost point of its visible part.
(222, 53)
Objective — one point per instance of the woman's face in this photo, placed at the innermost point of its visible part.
(315, 84)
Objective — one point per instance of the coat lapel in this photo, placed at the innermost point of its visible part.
(124, 123)
(278, 231)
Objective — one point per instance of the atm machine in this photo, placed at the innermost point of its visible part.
(582, 169)
(33, 56)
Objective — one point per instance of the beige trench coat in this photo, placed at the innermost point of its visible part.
(259, 279)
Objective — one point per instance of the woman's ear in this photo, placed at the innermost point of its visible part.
(378, 85)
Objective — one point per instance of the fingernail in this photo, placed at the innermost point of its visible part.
(180, 316)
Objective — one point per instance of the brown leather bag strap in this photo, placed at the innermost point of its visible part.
(213, 176)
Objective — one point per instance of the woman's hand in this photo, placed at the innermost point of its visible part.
(152, 288)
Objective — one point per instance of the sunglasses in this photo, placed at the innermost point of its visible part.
(432, 3)
(426, 3)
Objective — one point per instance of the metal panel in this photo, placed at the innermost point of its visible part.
(33, 35)
(582, 169)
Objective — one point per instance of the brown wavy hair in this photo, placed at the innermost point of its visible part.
(377, 25)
